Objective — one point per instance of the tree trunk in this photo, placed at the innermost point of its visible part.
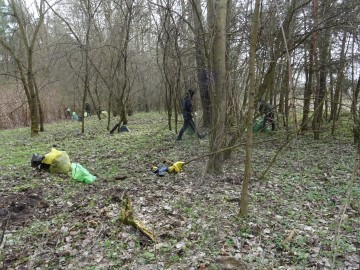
(266, 87)
(356, 117)
(338, 86)
(201, 66)
(34, 107)
(309, 71)
(286, 92)
(34, 116)
(281, 108)
(323, 67)
(249, 135)
(25, 65)
(219, 93)
(41, 111)
(89, 15)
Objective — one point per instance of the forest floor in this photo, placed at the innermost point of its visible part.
(50, 221)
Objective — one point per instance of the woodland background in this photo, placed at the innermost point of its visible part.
(126, 56)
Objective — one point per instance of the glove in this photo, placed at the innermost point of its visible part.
(176, 167)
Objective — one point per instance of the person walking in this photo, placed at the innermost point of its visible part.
(187, 111)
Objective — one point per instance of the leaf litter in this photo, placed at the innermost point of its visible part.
(56, 223)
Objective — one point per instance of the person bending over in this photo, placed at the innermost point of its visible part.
(267, 110)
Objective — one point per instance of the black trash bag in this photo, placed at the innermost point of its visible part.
(161, 171)
(36, 162)
(124, 129)
(120, 128)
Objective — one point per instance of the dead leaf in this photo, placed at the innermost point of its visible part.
(290, 236)
(120, 177)
(230, 263)
(201, 266)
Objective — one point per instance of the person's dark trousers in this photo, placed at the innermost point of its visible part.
(188, 122)
(117, 126)
(269, 118)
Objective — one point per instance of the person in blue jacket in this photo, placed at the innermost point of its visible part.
(187, 111)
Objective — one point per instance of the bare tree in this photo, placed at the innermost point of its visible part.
(217, 11)
(23, 56)
(169, 60)
(312, 83)
(202, 57)
(336, 100)
(324, 43)
(250, 113)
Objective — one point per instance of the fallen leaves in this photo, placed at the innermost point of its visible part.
(72, 226)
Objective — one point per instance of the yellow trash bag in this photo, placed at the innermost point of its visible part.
(103, 115)
(59, 161)
(176, 167)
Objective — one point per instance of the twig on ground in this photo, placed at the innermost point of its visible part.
(263, 175)
(344, 208)
(3, 229)
(126, 217)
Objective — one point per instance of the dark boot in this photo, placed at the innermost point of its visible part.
(179, 137)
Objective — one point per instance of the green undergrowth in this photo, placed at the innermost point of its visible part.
(58, 223)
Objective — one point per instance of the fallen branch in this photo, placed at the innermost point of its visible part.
(290, 236)
(263, 175)
(3, 229)
(334, 246)
(126, 217)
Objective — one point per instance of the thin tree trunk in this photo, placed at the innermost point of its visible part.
(356, 117)
(335, 108)
(41, 111)
(89, 15)
(218, 96)
(26, 68)
(322, 74)
(286, 91)
(266, 87)
(201, 66)
(249, 135)
(309, 71)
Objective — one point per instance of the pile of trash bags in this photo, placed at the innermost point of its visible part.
(59, 162)
(173, 168)
(258, 125)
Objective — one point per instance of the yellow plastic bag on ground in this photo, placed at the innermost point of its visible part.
(59, 161)
(176, 167)
(103, 115)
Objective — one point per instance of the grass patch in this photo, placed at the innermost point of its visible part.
(61, 223)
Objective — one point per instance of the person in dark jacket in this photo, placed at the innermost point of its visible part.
(88, 109)
(187, 111)
(267, 110)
